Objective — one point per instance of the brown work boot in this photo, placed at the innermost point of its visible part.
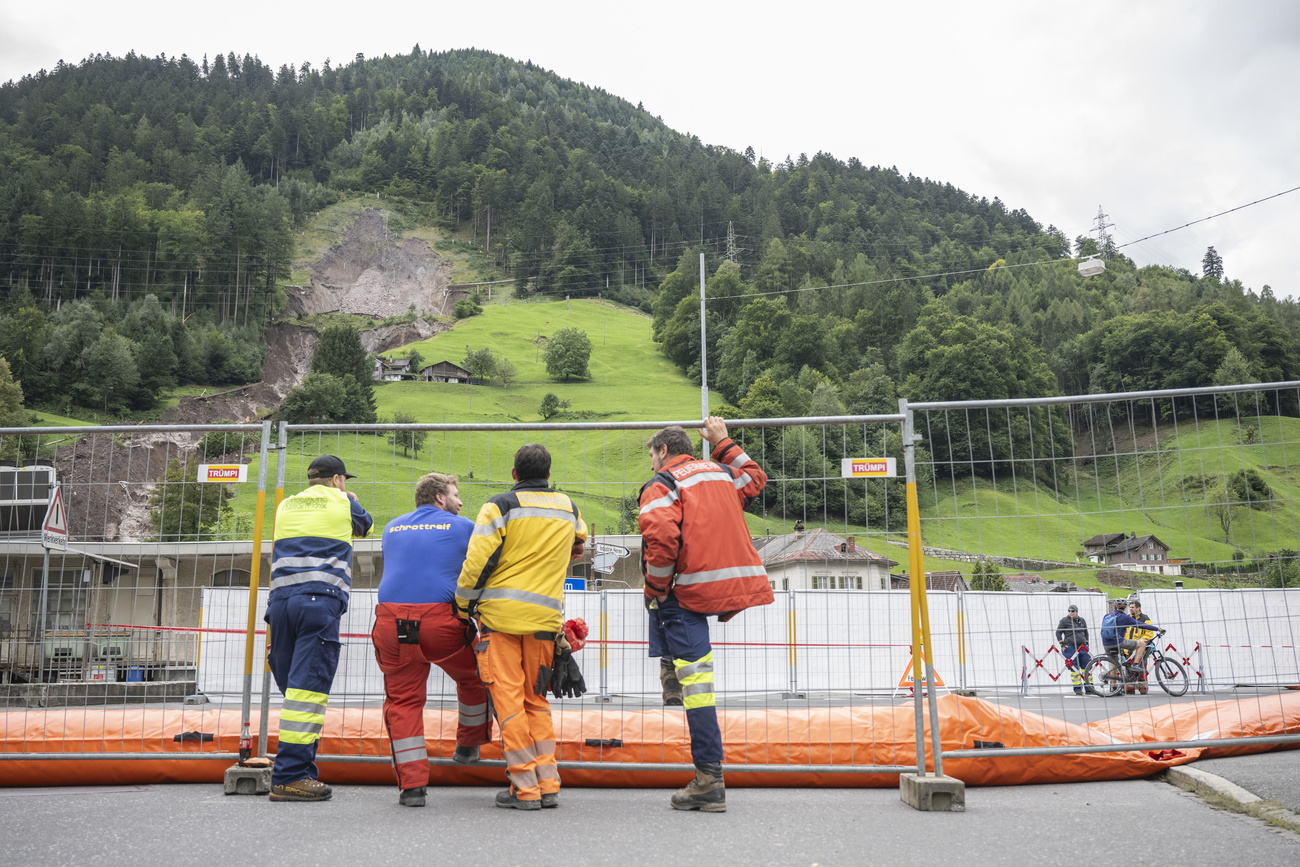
(706, 793)
(305, 789)
(672, 686)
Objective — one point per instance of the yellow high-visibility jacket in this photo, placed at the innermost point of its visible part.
(1137, 633)
(513, 576)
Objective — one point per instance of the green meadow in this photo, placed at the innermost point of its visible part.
(631, 380)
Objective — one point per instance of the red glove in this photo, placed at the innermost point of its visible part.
(576, 631)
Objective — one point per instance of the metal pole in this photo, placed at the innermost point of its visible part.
(1200, 671)
(253, 578)
(1024, 670)
(604, 695)
(916, 580)
(792, 638)
(961, 639)
(45, 590)
(40, 621)
(704, 352)
(280, 451)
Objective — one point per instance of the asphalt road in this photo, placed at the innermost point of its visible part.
(1057, 824)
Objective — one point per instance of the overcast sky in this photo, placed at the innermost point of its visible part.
(1159, 112)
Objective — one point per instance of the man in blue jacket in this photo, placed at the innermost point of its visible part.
(416, 626)
(311, 577)
(1114, 628)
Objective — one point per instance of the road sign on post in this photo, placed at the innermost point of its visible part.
(606, 556)
(54, 529)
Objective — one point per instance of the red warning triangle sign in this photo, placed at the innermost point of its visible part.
(906, 679)
(55, 520)
(54, 532)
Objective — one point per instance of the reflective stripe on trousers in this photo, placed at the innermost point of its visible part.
(509, 666)
(303, 716)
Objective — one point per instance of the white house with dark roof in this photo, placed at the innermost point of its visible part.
(1132, 552)
(819, 560)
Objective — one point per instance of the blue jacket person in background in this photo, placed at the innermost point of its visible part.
(311, 576)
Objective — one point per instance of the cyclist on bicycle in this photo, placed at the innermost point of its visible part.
(1115, 627)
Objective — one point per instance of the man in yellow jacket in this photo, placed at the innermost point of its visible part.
(513, 582)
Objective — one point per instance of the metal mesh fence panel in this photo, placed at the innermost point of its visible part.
(110, 624)
(1181, 502)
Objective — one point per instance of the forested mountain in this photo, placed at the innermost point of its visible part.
(832, 285)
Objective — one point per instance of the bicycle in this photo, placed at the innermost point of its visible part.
(1109, 676)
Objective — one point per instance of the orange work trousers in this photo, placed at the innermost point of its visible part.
(510, 665)
(442, 642)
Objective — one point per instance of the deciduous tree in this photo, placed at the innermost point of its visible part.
(567, 354)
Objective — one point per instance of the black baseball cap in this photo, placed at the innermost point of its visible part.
(1074, 608)
(326, 467)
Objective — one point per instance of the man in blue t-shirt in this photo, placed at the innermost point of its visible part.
(416, 626)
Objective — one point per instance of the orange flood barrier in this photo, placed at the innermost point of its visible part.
(797, 737)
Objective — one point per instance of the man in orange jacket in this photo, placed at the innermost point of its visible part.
(698, 561)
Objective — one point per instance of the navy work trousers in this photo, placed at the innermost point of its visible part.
(303, 654)
(682, 637)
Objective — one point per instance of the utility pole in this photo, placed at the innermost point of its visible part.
(732, 252)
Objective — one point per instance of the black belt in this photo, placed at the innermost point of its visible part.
(540, 636)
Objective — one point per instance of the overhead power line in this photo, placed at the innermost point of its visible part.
(1211, 217)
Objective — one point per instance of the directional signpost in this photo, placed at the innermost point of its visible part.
(606, 556)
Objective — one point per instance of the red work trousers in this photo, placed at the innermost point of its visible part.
(510, 666)
(442, 642)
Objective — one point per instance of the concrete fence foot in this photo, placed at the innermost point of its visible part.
(932, 794)
(242, 780)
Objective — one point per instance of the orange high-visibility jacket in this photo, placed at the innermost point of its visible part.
(694, 538)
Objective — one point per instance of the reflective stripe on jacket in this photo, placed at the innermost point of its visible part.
(312, 552)
(693, 532)
(517, 559)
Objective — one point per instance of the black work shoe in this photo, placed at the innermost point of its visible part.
(672, 687)
(550, 799)
(507, 800)
(305, 789)
(412, 797)
(465, 755)
(706, 793)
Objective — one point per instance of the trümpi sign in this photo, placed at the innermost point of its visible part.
(223, 472)
(868, 468)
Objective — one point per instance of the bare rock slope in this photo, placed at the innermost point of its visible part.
(370, 273)
(108, 477)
